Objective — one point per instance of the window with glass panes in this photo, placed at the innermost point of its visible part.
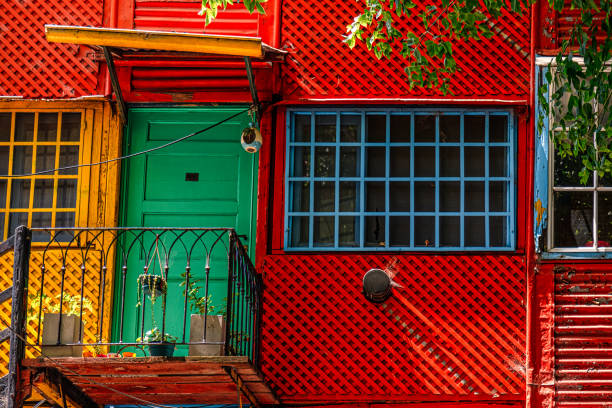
(400, 179)
(32, 142)
(581, 213)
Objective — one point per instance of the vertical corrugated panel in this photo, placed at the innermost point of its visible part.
(182, 16)
(32, 67)
(583, 337)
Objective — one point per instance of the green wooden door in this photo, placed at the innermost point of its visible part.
(205, 181)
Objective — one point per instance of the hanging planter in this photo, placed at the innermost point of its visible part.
(152, 285)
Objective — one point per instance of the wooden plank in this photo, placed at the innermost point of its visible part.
(168, 378)
(6, 294)
(174, 399)
(7, 244)
(58, 390)
(161, 387)
(5, 335)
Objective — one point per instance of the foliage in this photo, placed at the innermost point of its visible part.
(199, 303)
(70, 304)
(211, 7)
(154, 336)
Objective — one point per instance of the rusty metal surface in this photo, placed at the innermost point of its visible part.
(33, 68)
(583, 335)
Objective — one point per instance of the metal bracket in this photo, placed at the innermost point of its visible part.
(110, 63)
(251, 77)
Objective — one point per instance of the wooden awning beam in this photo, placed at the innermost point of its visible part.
(159, 40)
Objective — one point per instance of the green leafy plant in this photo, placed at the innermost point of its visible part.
(155, 336)
(198, 302)
(70, 305)
(211, 7)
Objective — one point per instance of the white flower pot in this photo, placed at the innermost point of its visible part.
(215, 332)
(69, 334)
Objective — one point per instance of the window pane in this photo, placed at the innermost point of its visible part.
(302, 128)
(20, 194)
(45, 158)
(450, 128)
(299, 231)
(350, 128)
(450, 231)
(498, 232)
(474, 196)
(498, 128)
(4, 159)
(47, 127)
(349, 161)
(399, 196)
(605, 180)
(498, 162)
(64, 219)
(375, 196)
(71, 127)
(22, 159)
(424, 161)
(498, 194)
(450, 165)
(474, 161)
(399, 231)
(3, 184)
(66, 193)
(349, 196)
(69, 156)
(400, 128)
(424, 196)
(567, 171)
(450, 196)
(424, 231)
(301, 196)
(301, 161)
(325, 128)
(43, 194)
(15, 220)
(474, 231)
(24, 127)
(325, 161)
(376, 161)
(400, 162)
(376, 128)
(375, 231)
(323, 231)
(5, 127)
(2, 236)
(41, 220)
(474, 128)
(604, 219)
(348, 232)
(324, 195)
(573, 222)
(424, 128)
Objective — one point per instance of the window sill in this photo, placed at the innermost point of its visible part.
(607, 254)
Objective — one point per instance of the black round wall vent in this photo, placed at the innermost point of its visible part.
(376, 285)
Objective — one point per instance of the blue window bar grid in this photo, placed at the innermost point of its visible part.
(291, 216)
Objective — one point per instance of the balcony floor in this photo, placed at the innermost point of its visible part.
(90, 382)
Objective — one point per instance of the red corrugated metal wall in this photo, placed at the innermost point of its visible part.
(583, 334)
(456, 331)
(33, 68)
(320, 65)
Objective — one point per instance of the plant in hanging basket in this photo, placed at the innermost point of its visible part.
(152, 285)
(161, 346)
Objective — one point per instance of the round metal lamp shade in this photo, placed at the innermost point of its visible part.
(376, 285)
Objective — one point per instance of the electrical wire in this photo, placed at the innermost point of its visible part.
(76, 166)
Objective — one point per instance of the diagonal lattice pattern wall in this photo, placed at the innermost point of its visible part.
(52, 284)
(33, 68)
(320, 65)
(457, 328)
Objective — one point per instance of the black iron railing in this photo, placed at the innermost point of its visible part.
(145, 282)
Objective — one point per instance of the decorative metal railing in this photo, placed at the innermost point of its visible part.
(116, 288)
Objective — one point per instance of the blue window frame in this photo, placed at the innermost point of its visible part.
(395, 179)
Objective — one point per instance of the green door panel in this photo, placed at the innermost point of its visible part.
(203, 182)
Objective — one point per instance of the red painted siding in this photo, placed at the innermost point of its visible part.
(33, 68)
(456, 331)
(320, 65)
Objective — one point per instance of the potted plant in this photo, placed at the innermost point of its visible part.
(71, 330)
(204, 317)
(165, 344)
(152, 285)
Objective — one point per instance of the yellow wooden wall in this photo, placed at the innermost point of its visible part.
(97, 206)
